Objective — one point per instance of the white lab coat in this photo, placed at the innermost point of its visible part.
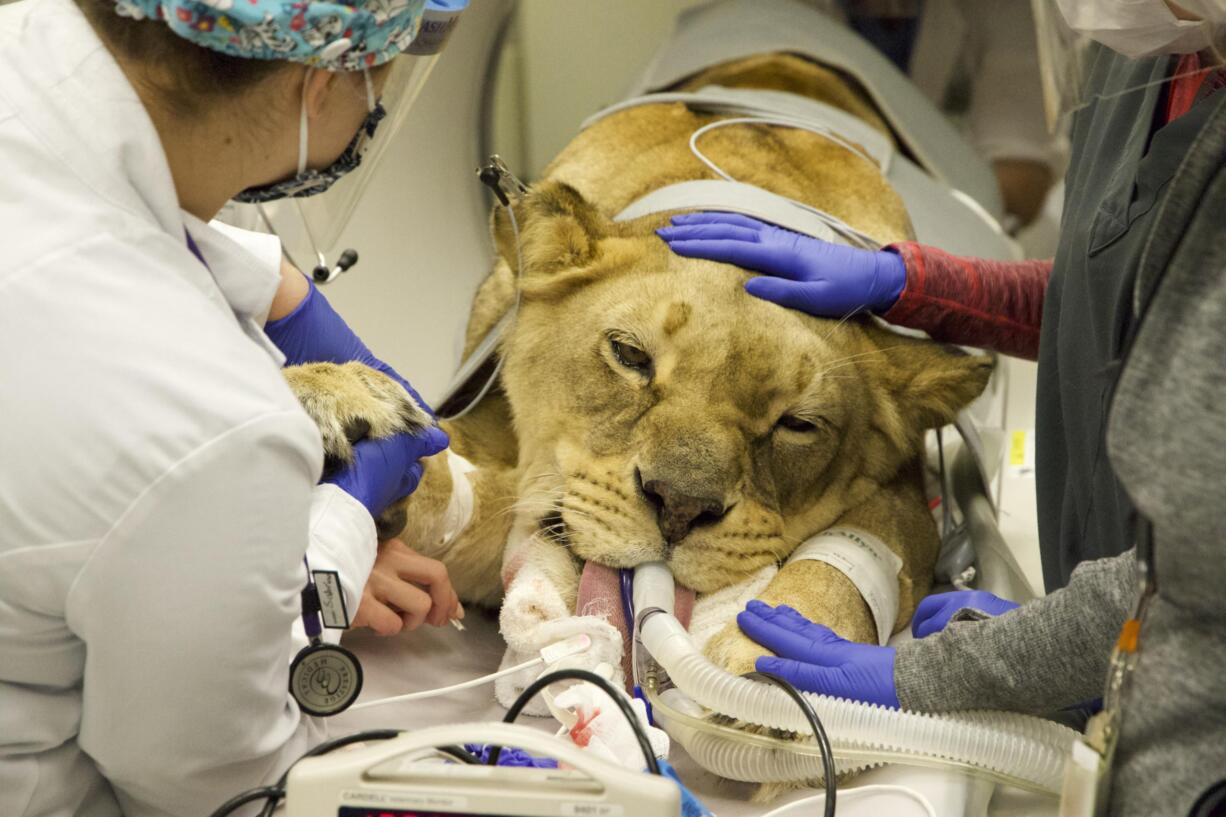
(157, 477)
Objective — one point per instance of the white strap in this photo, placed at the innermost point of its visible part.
(303, 126)
(756, 102)
(771, 108)
(733, 197)
(460, 507)
(869, 565)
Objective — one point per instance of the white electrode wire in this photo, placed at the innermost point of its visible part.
(818, 800)
(434, 693)
(519, 294)
(834, 222)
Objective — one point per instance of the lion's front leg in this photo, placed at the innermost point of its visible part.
(819, 592)
(898, 517)
(542, 584)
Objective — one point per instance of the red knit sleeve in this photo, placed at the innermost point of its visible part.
(994, 305)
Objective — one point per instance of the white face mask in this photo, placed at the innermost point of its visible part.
(1146, 28)
(1212, 11)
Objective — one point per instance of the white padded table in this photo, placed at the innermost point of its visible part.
(436, 657)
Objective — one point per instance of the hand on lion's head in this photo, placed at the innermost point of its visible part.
(670, 416)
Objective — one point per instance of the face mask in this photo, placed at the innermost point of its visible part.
(1142, 28)
(1212, 11)
(308, 182)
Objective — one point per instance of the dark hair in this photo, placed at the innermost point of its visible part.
(190, 74)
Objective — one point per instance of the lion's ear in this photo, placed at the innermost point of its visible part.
(926, 384)
(559, 236)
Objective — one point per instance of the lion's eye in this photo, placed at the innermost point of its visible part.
(631, 357)
(793, 423)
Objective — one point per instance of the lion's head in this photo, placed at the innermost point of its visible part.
(668, 415)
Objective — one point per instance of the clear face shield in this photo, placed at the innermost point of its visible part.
(311, 227)
(1067, 30)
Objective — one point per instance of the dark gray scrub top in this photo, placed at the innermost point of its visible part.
(1119, 170)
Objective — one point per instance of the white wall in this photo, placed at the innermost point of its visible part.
(577, 56)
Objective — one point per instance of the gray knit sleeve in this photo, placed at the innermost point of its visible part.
(1046, 655)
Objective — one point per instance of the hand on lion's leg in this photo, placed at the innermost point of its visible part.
(820, 592)
(405, 590)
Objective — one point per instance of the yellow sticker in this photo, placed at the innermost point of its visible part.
(1020, 453)
(1017, 449)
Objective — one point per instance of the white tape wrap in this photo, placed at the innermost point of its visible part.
(460, 509)
(867, 563)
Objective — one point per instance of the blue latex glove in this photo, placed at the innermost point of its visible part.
(386, 470)
(315, 333)
(823, 279)
(934, 612)
(814, 659)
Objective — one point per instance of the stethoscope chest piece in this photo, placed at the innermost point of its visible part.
(325, 679)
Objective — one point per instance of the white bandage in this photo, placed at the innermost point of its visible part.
(867, 563)
(460, 508)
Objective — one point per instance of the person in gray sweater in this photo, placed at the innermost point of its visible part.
(1131, 427)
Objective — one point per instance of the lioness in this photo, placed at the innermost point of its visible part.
(649, 409)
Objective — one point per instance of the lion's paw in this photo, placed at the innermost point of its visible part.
(350, 401)
(734, 651)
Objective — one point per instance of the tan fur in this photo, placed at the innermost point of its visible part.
(351, 401)
(587, 431)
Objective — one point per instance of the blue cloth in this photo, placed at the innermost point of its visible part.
(691, 806)
(336, 36)
(892, 36)
(823, 279)
(510, 756)
(813, 658)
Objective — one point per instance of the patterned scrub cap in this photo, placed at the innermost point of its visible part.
(337, 36)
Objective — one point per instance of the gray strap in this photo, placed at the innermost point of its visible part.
(716, 99)
(732, 197)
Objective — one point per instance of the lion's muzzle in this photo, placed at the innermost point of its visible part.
(677, 512)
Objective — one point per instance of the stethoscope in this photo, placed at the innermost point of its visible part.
(322, 272)
(325, 679)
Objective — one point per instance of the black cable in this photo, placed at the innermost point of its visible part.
(271, 794)
(819, 732)
(592, 678)
(461, 754)
(322, 749)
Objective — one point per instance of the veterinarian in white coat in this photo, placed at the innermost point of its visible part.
(158, 479)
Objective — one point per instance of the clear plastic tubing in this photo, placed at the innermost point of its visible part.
(1022, 749)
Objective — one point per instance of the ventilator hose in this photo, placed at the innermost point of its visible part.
(1015, 748)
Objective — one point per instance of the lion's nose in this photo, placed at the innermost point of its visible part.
(679, 513)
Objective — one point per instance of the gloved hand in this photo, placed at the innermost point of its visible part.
(813, 658)
(934, 612)
(823, 279)
(386, 470)
(315, 333)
